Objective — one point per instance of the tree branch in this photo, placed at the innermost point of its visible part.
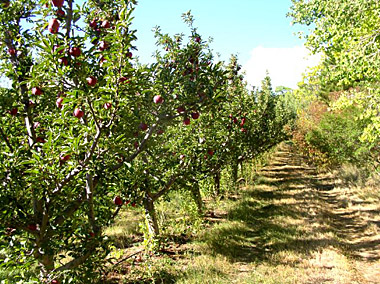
(78, 169)
(166, 187)
(139, 148)
(5, 138)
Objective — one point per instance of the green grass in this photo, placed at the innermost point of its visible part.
(288, 227)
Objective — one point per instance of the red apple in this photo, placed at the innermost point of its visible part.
(210, 152)
(64, 61)
(59, 102)
(12, 51)
(75, 51)
(64, 158)
(242, 121)
(36, 91)
(160, 131)
(103, 45)
(53, 26)
(107, 105)
(91, 81)
(129, 54)
(127, 202)
(10, 231)
(94, 24)
(181, 109)
(92, 234)
(198, 39)
(158, 99)
(118, 201)
(40, 140)
(13, 111)
(133, 204)
(195, 115)
(60, 13)
(57, 3)
(186, 121)
(55, 282)
(102, 60)
(78, 113)
(105, 24)
(32, 227)
(123, 79)
(143, 126)
(243, 130)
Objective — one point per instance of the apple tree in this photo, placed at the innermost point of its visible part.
(185, 85)
(65, 123)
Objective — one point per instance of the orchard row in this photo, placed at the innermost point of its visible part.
(86, 129)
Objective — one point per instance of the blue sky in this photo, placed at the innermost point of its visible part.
(236, 26)
(258, 31)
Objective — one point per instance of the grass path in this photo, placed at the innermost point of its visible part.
(318, 229)
(293, 226)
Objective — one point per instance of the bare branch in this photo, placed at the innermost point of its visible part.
(139, 148)
(98, 127)
(166, 188)
(89, 197)
(5, 138)
(81, 167)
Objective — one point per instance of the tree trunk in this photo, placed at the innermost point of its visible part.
(217, 183)
(235, 168)
(150, 217)
(46, 263)
(197, 196)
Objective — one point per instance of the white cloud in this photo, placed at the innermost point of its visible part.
(285, 65)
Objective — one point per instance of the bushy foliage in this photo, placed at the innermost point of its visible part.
(346, 34)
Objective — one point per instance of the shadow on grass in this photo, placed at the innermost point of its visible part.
(252, 234)
(255, 230)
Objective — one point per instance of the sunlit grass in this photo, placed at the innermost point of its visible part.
(293, 225)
